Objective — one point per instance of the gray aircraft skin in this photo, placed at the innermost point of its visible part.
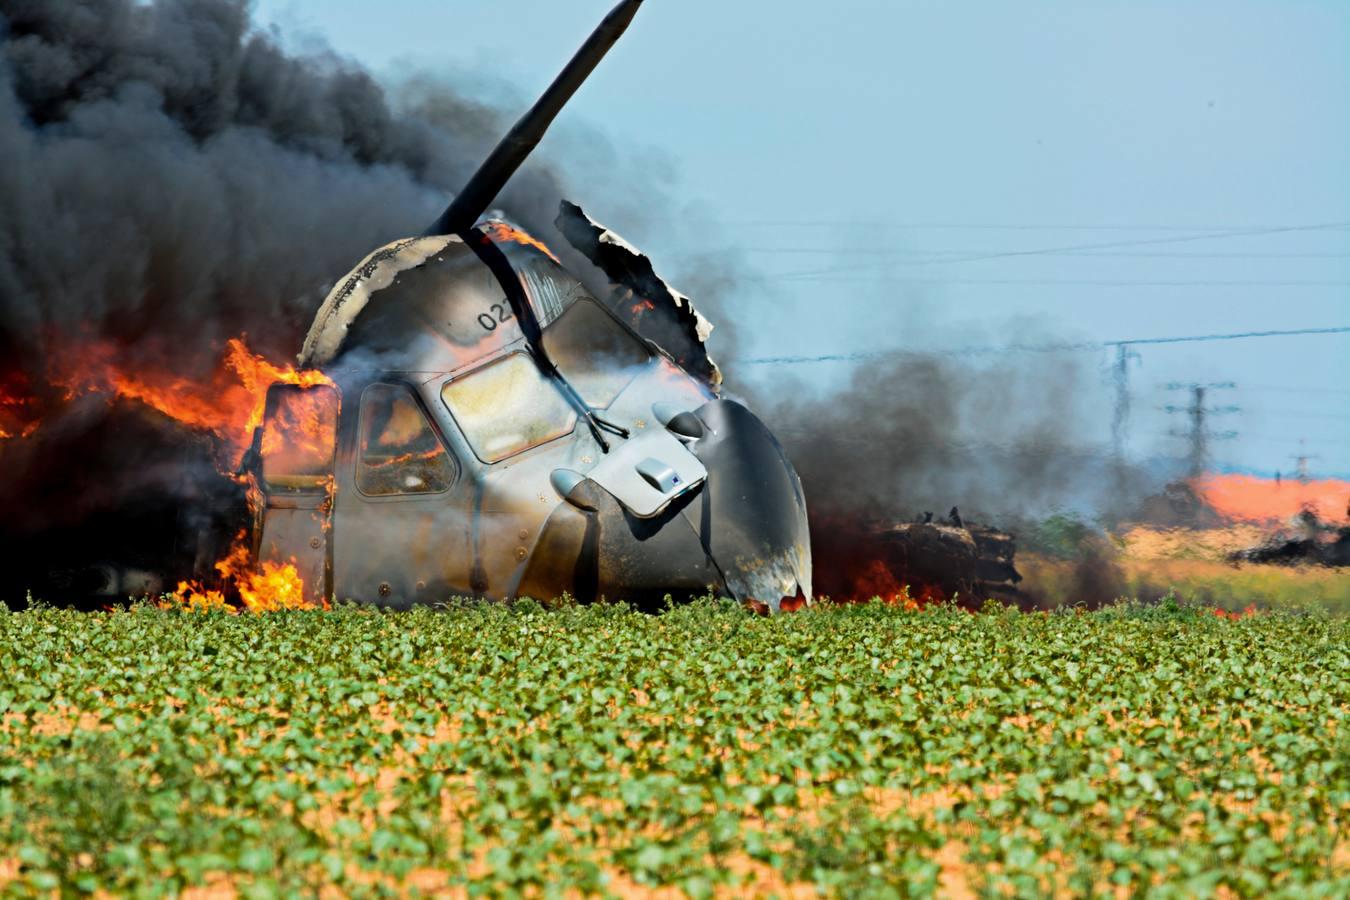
(493, 430)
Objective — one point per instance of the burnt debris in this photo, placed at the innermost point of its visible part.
(1312, 542)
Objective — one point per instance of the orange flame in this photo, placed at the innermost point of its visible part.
(1225, 614)
(301, 437)
(17, 415)
(275, 586)
(228, 405)
(1248, 498)
(877, 581)
(500, 231)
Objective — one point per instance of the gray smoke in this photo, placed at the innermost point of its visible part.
(1007, 439)
(1002, 437)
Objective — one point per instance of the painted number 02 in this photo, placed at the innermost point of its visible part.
(489, 320)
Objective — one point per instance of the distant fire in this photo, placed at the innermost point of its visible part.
(17, 416)
(1245, 613)
(1248, 498)
(875, 580)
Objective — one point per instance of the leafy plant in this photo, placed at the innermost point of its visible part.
(863, 750)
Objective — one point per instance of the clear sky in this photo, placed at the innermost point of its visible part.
(882, 168)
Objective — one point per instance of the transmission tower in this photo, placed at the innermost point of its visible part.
(1121, 419)
(1301, 461)
(1198, 434)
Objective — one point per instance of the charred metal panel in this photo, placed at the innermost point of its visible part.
(651, 306)
(751, 514)
(564, 558)
(648, 471)
(640, 560)
(352, 293)
(398, 549)
(296, 449)
(295, 531)
(428, 305)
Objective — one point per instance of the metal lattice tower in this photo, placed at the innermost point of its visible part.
(1199, 434)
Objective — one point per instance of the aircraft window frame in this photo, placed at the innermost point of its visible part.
(359, 454)
(578, 380)
(572, 418)
(292, 484)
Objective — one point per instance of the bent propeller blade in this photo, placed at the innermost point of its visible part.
(524, 136)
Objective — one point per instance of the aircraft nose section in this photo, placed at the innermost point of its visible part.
(751, 514)
(735, 522)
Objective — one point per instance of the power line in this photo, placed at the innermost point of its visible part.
(864, 355)
(1340, 329)
(1291, 389)
(1304, 414)
(1284, 439)
(1270, 438)
(1066, 282)
(896, 251)
(1107, 245)
(997, 226)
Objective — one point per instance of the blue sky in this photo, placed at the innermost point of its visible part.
(882, 170)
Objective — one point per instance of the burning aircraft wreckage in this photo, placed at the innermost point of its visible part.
(470, 419)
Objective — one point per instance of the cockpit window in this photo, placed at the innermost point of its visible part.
(507, 406)
(299, 435)
(400, 452)
(594, 353)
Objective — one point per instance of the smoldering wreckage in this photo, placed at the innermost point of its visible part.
(470, 419)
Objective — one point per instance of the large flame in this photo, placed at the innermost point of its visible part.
(1249, 498)
(876, 581)
(228, 405)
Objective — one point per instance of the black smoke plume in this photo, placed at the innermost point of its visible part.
(170, 178)
(168, 174)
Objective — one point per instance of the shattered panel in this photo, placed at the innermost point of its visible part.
(641, 297)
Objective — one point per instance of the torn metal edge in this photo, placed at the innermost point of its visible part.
(351, 294)
(629, 268)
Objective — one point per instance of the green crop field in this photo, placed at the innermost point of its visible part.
(864, 750)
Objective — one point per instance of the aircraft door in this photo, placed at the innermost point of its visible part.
(402, 519)
(299, 438)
